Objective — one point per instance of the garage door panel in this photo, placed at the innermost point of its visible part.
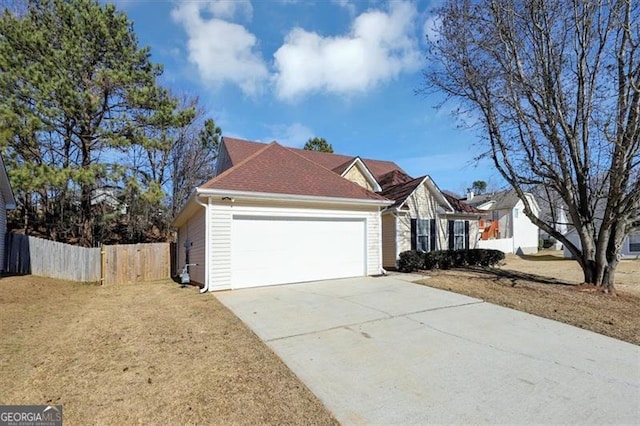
(284, 250)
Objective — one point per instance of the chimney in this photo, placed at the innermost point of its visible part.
(470, 195)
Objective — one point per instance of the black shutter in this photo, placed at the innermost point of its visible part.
(432, 234)
(414, 233)
(451, 237)
(466, 234)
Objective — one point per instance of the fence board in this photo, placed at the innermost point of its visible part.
(26, 254)
(136, 262)
(121, 264)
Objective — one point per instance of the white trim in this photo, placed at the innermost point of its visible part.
(205, 284)
(365, 171)
(247, 195)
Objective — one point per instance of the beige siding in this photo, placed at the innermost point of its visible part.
(474, 234)
(193, 230)
(422, 205)
(355, 175)
(389, 252)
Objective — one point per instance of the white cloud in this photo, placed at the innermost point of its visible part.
(431, 27)
(380, 46)
(294, 135)
(347, 5)
(228, 9)
(224, 52)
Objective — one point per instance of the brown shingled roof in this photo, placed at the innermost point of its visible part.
(240, 149)
(275, 169)
(400, 192)
(460, 206)
(393, 178)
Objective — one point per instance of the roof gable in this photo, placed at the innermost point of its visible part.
(279, 170)
(363, 169)
(401, 192)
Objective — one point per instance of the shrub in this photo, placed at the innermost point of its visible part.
(446, 259)
(410, 261)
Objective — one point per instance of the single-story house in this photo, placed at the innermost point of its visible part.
(7, 202)
(276, 215)
(506, 228)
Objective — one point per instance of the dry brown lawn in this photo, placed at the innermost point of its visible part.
(145, 353)
(549, 286)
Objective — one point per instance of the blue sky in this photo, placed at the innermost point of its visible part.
(289, 70)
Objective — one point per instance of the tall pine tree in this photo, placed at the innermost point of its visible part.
(77, 96)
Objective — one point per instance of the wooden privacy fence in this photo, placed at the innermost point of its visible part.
(117, 264)
(136, 262)
(31, 255)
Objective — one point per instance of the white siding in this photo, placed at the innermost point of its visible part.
(220, 246)
(525, 233)
(3, 230)
(221, 238)
(193, 230)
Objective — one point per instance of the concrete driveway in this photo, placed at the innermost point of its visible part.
(383, 350)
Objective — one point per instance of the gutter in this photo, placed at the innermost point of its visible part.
(205, 287)
(246, 195)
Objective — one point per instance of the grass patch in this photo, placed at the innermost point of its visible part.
(142, 353)
(552, 291)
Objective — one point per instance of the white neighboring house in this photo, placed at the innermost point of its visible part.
(630, 245)
(555, 215)
(506, 228)
(108, 196)
(7, 202)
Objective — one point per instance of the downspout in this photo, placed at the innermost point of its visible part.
(205, 287)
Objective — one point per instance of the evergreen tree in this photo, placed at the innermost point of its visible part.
(77, 97)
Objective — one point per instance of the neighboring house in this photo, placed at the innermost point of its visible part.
(7, 201)
(107, 196)
(275, 215)
(506, 227)
(553, 212)
(630, 245)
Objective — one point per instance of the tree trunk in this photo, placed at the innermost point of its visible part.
(600, 272)
(87, 220)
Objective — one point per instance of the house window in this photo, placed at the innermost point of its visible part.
(459, 235)
(634, 242)
(423, 234)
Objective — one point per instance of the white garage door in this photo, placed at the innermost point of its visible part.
(270, 250)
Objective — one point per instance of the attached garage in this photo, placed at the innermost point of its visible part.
(278, 218)
(286, 249)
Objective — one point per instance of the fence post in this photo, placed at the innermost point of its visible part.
(102, 264)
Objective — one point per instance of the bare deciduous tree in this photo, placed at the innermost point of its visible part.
(556, 89)
(193, 156)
